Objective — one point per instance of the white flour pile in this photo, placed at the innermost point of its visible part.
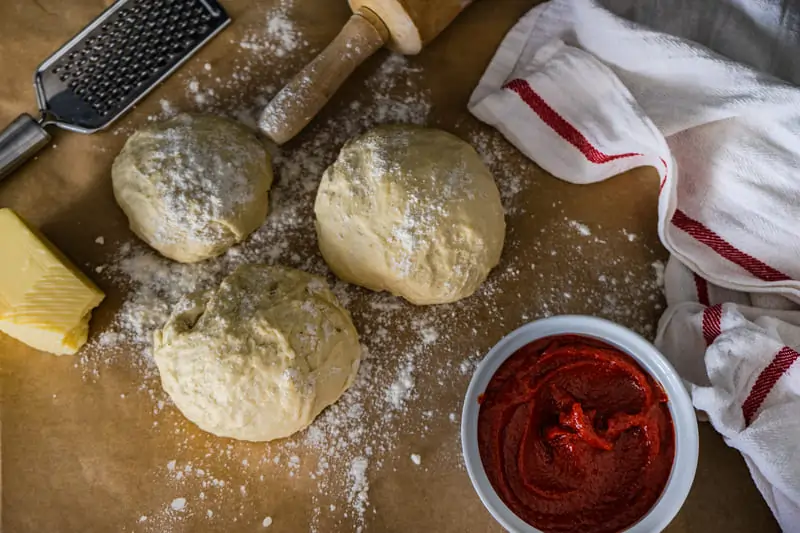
(279, 38)
(272, 49)
(408, 349)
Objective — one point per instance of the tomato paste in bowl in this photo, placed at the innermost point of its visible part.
(575, 424)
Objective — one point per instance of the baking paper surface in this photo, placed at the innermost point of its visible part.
(86, 446)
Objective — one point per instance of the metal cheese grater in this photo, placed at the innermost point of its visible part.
(109, 66)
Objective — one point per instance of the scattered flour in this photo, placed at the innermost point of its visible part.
(266, 522)
(429, 335)
(658, 268)
(167, 108)
(278, 38)
(401, 389)
(347, 448)
(358, 495)
(495, 152)
(178, 504)
(583, 229)
(407, 349)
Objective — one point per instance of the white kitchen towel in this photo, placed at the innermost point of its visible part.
(588, 94)
(740, 366)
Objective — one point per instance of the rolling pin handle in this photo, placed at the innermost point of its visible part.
(19, 142)
(307, 93)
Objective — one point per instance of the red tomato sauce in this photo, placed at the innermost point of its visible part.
(575, 436)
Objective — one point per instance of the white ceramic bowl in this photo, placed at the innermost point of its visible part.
(680, 407)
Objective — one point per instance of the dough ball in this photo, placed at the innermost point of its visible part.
(193, 186)
(412, 211)
(258, 358)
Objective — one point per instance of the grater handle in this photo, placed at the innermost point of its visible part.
(308, 92)
(19, 142)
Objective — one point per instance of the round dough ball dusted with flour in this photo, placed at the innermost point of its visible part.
(193, 186)
(261, 356)
(413, 211)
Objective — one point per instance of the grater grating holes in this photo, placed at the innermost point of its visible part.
(126, 52)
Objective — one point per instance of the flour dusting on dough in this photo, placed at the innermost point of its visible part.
(411, 351)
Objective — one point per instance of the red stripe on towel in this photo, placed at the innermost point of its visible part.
(766, 380)
(712, 323)
(558, 124)
(694, 228)
(702, 289)
(725, 249)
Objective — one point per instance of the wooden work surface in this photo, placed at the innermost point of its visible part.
(87, 447)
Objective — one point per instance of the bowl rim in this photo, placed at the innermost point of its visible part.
(684, 465)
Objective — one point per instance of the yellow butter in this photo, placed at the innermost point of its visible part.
(45, 301)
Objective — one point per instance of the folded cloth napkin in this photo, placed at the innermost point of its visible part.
(748, 382)
(587, 95)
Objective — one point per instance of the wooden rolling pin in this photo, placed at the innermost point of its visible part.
(405, 26)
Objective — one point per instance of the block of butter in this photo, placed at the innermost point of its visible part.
(45, 301)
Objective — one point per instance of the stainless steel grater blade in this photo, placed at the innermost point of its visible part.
(108, 67)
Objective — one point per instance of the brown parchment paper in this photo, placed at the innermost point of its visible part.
(82, 453)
